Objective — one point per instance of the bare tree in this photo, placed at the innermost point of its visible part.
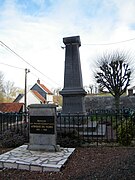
(10, 91)
(1, 87)
(114, 74)
(7, 90)
(91, 88)
(57, 98)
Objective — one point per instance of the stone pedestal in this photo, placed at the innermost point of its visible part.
(42, 128)
(73, 92)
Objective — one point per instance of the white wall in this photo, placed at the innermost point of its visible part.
(49, 98)
(31, 99)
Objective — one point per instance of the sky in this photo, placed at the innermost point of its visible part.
(34, 30)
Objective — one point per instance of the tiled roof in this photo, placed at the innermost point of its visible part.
(17, 99)
(45, 88)
(11, 107)
(41, 98)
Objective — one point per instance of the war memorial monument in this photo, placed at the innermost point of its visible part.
(73, 92)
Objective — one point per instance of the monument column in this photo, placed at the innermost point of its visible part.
(73, 92)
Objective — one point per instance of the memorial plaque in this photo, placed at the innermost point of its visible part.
(42, 125)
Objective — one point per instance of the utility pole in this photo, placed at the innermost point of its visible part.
(25, 93)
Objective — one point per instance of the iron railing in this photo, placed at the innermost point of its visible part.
(12, 121)
(95, 127)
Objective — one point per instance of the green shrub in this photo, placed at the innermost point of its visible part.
(125, 132)
(11, 139)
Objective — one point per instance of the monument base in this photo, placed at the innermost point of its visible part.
(73, 104)
(43, 142)
(43, 134)
(47, 148)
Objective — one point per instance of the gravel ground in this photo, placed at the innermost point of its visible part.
(91, 163)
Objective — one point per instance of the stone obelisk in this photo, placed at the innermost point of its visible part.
(73, 92)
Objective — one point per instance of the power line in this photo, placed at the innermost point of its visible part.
(12, 66)
(106, 44)
(8, 48)
(23, 70)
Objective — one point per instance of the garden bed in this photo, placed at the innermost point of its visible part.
(85, 163)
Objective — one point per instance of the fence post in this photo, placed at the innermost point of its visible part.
(1, 123)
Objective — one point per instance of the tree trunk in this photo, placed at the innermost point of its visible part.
(117, 103)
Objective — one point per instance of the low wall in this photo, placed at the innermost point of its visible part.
(107, 102)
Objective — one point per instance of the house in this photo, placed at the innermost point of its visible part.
(44, 92)
(11, 107)
(131, 91)
(38, 94)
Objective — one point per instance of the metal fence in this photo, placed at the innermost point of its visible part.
(95, 127)
(12, 121)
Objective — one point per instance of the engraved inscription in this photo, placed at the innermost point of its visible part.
(42, 124)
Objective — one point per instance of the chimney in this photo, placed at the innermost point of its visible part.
(38, 81)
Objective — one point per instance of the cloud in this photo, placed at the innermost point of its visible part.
(36, 31)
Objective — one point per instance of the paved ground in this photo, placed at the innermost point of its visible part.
(22, 158)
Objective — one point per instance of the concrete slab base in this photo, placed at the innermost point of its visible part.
(22, 158)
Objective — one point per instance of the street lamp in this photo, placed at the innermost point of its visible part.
(25, 93)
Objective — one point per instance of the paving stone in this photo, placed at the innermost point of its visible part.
(29, 159)
(24, 167)
(62, 161)
(54, 168)
(10, 160)
(50, 169)
(71, 149)
(52, 162)
(11, 165)
(52, 165)
(22, 162)
(1, 165)
(36, 168)
(3, 160)
(38, 161)
(56, 159)
(5, 156)
(13, 158)
(43, 159)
